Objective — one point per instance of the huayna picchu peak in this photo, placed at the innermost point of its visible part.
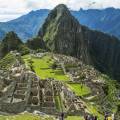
(61, 32)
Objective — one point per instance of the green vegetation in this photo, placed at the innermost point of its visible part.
(43, 67)
(111, 90)
(94, 109)
(25, 117)
(74, 118)
(36, 43)
(58, 103)
(12, 42)
(79, 89)
(7, 61)
(23, 49)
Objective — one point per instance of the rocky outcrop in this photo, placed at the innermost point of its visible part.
(63, 34)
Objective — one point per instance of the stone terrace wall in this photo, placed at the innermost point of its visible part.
(13, 107)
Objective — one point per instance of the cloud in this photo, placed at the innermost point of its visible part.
(10, 9)
(73, 4)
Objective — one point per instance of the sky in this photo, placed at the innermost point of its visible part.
(11, 9)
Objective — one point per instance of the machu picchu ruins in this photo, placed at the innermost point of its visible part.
(22, 88)
(26, 91)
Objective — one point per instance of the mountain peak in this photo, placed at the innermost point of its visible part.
(61, 30)
(60, 10)
(61, 7)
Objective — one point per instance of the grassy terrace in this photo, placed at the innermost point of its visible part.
(74, 118)
(59, 104)
(25, 117)
(7, 61)
(79, 89)
(42, 67)
(35, 117)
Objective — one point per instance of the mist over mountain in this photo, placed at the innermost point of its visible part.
(27, 26)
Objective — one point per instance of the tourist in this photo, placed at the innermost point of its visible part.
(62, 116)
(106, 116)
(95, 118)
(85, 117)
(91, 117)
(88, 117)
(109, 118)
(113, 116)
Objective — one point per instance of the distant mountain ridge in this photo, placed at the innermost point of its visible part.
(27, 26)
(106, 20)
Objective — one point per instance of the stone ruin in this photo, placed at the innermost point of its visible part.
(26, 91)
(23, 90)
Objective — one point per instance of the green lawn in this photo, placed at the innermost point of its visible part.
(7, 61)
(58, 103)
(42, 67)
(25, 117)
(93, 109)
(79, 89)
(74, 118)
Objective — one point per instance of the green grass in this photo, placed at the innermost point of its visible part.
(58, 103)
(79, 89)
(25, 117)
(93, 109)
(111, 89)
(42, 67)
(74, 118)
(7, 61)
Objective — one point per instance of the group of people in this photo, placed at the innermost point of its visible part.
(109, 117)
(90, 117)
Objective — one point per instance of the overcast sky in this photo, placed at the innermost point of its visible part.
(10, 9)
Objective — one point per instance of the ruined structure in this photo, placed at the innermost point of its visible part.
(25, 91)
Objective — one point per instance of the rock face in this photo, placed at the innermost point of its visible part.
(62, 31)
(104, 51)
(63, 34)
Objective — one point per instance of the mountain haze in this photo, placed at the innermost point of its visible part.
(27, 26)
(105, 20)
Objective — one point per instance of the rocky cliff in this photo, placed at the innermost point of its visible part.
(63, 34)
